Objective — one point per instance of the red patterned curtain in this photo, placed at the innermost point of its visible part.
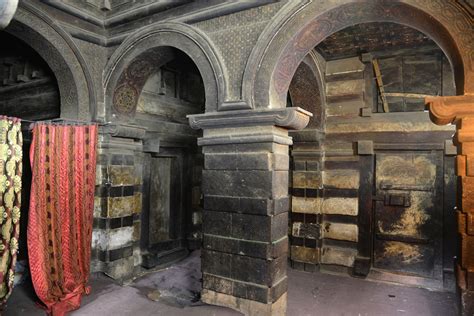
(63, 160)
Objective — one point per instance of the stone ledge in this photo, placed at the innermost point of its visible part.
(291, 118)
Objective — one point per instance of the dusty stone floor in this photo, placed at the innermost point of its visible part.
(174, 291)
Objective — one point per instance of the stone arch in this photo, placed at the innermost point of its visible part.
(306, 89)
(61, 54)
(146, 51)
(299, 29)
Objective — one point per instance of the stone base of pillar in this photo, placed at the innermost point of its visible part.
(245, 306)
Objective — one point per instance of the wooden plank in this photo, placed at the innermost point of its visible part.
(408, 95)
(362, 262)
(378, 77)
(393, 137)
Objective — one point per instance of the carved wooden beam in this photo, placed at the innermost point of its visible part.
(445, 110)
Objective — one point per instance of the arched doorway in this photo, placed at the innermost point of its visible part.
(28, 90)
(349, 173)
(172, 162)
(76, 87)
(299, 29)
(156, 78)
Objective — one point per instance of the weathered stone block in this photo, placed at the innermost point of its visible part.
(299, 179)
(119, 238)
(121, 269)
(245, 290)
(137, 203)
(136, 231)
(313, 165)
(244, 268)
(345, 108)
(306, 179)
(121, 175)
(246, 161)
(258, 249)
(345, 87)
(246, 205)
(245, 306)
(245, 226)
(299, 165)
(305, 230)
(338, 256)
(98, 204)
(449, 148)
(121, 206)
(100, 174)
(306, 205)
(339, 231)
(306, 255)
(341, 179)
(340, 205)
(270, 184)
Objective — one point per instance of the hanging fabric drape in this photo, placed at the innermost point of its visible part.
(10, 200)
(63, 160)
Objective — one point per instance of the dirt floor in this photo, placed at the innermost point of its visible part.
(175, 291)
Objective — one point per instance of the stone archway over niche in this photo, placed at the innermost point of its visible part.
(272, 65)
(145, 52)
(306, 90)
(57, 48)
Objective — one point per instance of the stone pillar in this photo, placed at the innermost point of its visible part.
(460, 110)
(246, 203)
(117, 207)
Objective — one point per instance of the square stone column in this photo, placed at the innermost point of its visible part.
(117, 206)
(246, 203)
(460, 110)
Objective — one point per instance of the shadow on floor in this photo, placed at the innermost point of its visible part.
(175, 292)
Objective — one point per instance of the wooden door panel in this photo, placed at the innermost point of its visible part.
(160, 200)
(407, 217)
(405, 257)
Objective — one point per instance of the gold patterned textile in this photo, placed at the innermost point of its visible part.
(10, 200)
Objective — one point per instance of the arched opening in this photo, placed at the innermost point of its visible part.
(272, 65)
(372, 183)
(172, 161)
(157, 76)
(58, 50)
(29, 91)
(146, 51)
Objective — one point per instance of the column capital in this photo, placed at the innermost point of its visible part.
(445, 110)
(290, 118)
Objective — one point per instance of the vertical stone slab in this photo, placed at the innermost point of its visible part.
(460, 110)
(246, 202)
(116, 230)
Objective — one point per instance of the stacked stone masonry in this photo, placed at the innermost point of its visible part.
(245, 221)
(117, 207)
